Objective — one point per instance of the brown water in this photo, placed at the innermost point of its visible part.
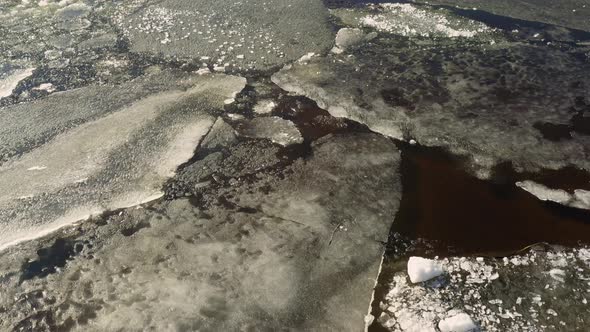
(465, 215)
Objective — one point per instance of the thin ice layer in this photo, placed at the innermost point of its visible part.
(117, 160)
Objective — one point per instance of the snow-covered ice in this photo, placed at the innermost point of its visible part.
(349, 38)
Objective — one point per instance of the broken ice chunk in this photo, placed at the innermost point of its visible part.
(458, 323)
(422, 269)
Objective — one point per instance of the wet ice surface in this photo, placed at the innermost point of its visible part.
(270, 205)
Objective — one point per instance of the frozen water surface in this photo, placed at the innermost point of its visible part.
(179, 165)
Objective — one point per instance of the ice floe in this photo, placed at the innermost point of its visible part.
(235, 35)
(452, 96)
(116, 160)
(567, 13)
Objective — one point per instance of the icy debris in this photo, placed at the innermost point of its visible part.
(409, 20)
(411, 322)
(476, 288)
(421, 269)
(276, 129)
(458, 323)
(579, 199)
(9, 81)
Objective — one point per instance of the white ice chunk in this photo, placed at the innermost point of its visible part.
(422, 269)
(458, 323)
